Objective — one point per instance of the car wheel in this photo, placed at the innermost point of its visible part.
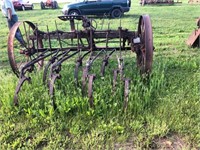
(52, 5)
(23, 8)
(32, 7)
(73, 13)
(55, 4)
(116, 13)
(42, 5)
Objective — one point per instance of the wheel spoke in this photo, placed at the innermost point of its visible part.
(16, 55)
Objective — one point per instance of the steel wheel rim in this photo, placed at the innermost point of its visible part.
(16, 59)
(145, 53)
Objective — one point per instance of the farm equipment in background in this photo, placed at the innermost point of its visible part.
(158, 2)
(49, 4)
(54, 48)
(194, 38)
(194, 1)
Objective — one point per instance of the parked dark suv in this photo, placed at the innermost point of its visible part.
(113, 8)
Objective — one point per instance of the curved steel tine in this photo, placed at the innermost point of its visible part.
(84, 79)
(50, 62)
(18, 88)
(105, 62)
(52, 89)
(91, 60)
(121, 66)
(126, 92)
(90, 89)
(79, 63)
(54, 74)
(115, 73)
(27, 68)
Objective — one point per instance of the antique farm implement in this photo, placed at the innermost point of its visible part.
(194, 38)
(52, 48)
(194, 1)
(158, 2)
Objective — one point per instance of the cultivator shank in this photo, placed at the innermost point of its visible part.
(88, 45)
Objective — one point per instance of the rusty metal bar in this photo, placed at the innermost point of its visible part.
(90, 89)
(84, 79)
(49, 39)
(72, 25)
(126, 92)
(65, 58)
(58, 35)
(115, 74)
(105, 62)
(121, 67)
(18, 88)
(78, 64)
(52, 89)
(51, 61)
(96, 34)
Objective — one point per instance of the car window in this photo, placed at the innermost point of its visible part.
(79, 0)
(91, 0)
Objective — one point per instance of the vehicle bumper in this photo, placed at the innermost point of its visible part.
(64, 12)
(126, 9)
(18, 7)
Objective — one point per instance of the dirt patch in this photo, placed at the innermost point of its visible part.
(172, 142)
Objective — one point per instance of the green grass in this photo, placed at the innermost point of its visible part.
(164, 108)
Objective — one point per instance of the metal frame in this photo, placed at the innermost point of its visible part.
(140, 41)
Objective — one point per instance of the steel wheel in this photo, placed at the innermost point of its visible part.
(19, 55)
(145, 51)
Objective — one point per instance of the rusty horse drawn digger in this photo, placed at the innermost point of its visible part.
(87, 45)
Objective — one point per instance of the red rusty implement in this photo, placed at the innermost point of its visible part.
(88, 44)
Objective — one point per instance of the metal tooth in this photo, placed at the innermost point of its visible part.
(90, 89)
(51, 88)
(20, 83)
(84, 79)
(126, 92)
(51, 61)
(54, 74)
(115, 73)
(78, 64)
(23, 78)
(104, 64)
(121, 67)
